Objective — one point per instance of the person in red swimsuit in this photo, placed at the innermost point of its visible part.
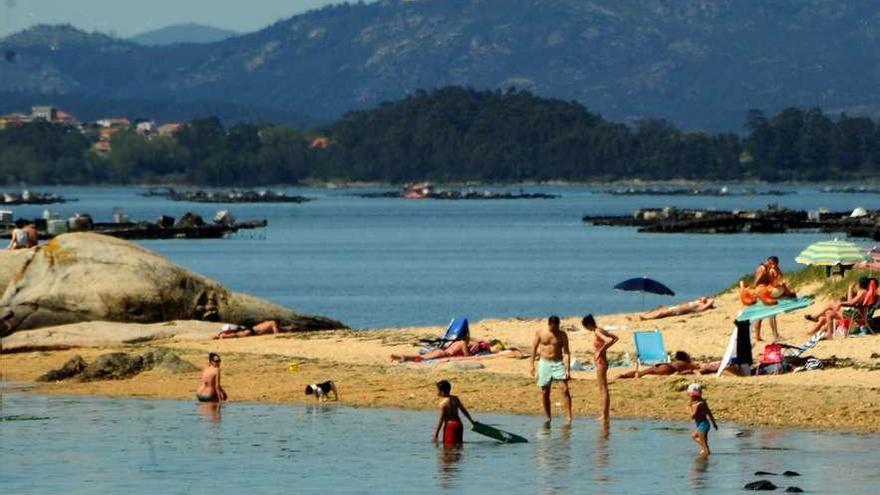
(602, 340)
(453, 430)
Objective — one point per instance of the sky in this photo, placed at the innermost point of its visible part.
(125, 18)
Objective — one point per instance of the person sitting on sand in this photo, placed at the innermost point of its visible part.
(827, 317)
(681, 365)
(695, 306)
(20, 236)
(230, 331)
(210, 389)
(458, 348)
(453, 430)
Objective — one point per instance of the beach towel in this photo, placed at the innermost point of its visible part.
(430, 362)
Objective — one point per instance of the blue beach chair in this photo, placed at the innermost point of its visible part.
(458, 329)
(650, 348)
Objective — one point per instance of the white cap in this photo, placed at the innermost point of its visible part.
(695, 390)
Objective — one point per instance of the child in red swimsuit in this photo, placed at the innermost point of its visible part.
(453, 430)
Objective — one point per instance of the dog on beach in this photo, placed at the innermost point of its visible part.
(322, 390)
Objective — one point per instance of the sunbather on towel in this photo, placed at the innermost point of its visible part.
(695, 306)
(680, 365)
(230, 331)
(459, 348)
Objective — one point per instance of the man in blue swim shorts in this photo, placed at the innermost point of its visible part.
(551, 345)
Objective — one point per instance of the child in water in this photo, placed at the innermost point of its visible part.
(701, 414)
(453, 430)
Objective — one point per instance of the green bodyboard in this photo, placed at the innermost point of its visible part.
(496, 434)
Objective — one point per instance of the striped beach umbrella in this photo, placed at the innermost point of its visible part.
(832, 253)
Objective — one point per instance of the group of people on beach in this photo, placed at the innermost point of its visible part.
(550, 362)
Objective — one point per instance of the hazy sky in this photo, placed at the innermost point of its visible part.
(128, 17)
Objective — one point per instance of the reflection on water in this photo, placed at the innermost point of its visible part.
(698, 470)
(448, 459)
(87, 445)
(553, 458)
(210, 411)
(601, 458)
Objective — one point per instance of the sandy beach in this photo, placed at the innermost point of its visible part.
(257, 369)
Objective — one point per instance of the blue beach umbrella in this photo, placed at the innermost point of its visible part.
(645, 284)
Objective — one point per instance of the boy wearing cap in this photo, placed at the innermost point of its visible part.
(701, 414)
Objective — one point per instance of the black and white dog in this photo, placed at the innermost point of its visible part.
(322, 390)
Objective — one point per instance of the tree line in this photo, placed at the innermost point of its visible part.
(453, 134)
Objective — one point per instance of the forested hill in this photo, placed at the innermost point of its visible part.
(453, 134)
(698, 63)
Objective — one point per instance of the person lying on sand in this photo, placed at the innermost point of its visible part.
(458, 348)
(680, 365)
(235, 331)
(695, 306)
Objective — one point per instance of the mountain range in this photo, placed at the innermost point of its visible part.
(189, 32)
(699, 63)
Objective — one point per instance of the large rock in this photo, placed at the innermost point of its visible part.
(113, 366)
(85, 277)
(74, 366)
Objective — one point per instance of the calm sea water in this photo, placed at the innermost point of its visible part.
(390, 262)
(75, 445)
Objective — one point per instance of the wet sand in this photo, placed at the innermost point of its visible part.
(257, 369)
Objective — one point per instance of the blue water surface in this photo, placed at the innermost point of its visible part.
(393, 262)
(76, 445)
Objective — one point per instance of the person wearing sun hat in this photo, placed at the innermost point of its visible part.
(702, 415)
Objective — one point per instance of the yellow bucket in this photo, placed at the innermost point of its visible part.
(293, 367)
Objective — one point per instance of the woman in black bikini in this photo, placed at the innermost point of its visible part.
(210, 389)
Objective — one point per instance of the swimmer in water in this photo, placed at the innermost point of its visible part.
(210, 389)
(453, 430)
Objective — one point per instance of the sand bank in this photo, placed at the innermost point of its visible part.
(256, 369)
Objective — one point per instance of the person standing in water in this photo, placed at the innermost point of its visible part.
(210, 389)
(551, 344)
(602, 340)
(453, 430)
(701, 414)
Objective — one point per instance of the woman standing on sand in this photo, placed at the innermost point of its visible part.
(602, 340)
(210, 389)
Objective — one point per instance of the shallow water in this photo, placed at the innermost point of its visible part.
(390, 262)
(77, 445)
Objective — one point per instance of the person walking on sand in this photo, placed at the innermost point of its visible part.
(551, 344)
(602, 340)
(701, 414)
(210, 389)
(449, 420)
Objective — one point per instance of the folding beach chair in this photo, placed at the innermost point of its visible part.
(458, 329)
(861, 315)
(650, 348)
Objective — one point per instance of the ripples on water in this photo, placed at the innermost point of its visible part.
(388, 262)
(86, 445)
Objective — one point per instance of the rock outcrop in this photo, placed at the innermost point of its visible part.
(119, 366)
(87, 277)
